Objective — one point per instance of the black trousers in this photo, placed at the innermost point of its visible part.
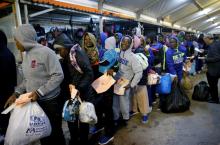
(213, 83)
(52, 110)
(104, 112)
(79, 133)
(4, 119)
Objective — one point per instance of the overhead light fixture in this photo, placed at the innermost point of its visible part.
(205, 11)
(211, 19)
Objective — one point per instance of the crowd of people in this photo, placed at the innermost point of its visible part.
(48, 72)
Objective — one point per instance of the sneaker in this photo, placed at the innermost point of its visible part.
(144, 119)
(105, 140)
(94, 130)
(132, 113)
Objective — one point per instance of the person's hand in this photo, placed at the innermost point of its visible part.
(127, 87)
(110, 72)
(33, 96)
(10, 101)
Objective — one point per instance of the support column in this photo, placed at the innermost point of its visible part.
(18, 12)
(159, 30)
(26, 14)
(100, 7)
(100, 24)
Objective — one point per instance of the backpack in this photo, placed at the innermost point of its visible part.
(142, 59)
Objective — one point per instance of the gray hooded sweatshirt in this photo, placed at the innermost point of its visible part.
(41, 68)
(129, 66)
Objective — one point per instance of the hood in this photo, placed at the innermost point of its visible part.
(119, 36)
(91, 52)
(141, 36)
(132, 42)
(137, 42)
(103, 37)
(92, 37)
(3, 42)
(110, 43)
(26, 35)
(174, 37)
(63, 41)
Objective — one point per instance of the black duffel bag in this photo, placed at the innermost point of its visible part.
(177, 101)
(201, 92)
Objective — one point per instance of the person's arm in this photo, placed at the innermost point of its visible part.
(88, 75)
(137, 69)
(170, 63)
(55, 73)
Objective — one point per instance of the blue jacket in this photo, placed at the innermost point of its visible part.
(174, 61)
(157, 50)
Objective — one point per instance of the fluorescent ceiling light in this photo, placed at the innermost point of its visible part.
(87, 3)
(118, 10)
(205, 11)
(147, 18)
(211, 19)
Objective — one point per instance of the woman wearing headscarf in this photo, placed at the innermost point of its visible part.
(140, 96)
(101, 43)
(175, 58)
(130, 69)
(104, 107)
(89, 46)
(80, 76)
(8, 79)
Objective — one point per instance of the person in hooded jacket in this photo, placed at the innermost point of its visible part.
(80, 76)
(140, 95)
(89, 46)
(42, 78)
(130, 69)
(175, 58)
(101, 44)
(104, 107)
(8, 79)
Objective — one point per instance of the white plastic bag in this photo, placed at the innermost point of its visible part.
(153, 79)
(87, 113)
(27, 124)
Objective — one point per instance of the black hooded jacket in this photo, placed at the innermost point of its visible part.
(82, 81)
(8, 76)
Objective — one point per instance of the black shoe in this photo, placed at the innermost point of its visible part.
(214, 102)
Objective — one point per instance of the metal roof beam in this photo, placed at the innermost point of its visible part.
(41, 12)
(174, 10)
(147, 6)
(198, 6)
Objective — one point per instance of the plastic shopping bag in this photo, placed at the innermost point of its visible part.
(165, 84)
(153, 79)
(27, 124)
(177, 101)
(186, 83)
(71, 110)
(87, 113)
(201, 92)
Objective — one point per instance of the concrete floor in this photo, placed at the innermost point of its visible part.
(199, 126)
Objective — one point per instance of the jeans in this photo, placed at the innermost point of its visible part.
(213, 83)
(121, 104)
(53, 112)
